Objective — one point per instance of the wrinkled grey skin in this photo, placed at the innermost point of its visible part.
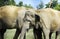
(12, 17)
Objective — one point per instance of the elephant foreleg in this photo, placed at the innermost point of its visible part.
(18, 31)
(46, 33)
(57, 35)
(50, 35)
(2, 33)
(23, 32)
(37, 33)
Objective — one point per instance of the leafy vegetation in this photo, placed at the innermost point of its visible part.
(41, 5)
(28, 6)
(7, 2)
(53, 4)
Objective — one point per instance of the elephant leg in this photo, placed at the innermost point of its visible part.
(25, 36)
(44, 35)
(37, 33)
(57, 35)
(18, 31)
(34, 32)
(50, 35)
(0, 36)
(23, 32)
(46, 32)
(24, 29)
(2, 33)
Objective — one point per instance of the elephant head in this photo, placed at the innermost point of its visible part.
(30, 20)
(32, 16)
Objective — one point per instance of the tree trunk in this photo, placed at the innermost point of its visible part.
(50, 3)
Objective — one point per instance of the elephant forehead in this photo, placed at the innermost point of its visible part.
(21, 13)
(31, 10)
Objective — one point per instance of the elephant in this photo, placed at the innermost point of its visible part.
(49, 21)
(9, 19)
(13, 17)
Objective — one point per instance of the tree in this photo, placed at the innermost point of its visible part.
(7, 2)
(41, 5)
(3, 2)
(28, 6)
(52, 4)
(57, 7)
(11, 2)
(20, 4)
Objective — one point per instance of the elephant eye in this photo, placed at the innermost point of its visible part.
(32, 16)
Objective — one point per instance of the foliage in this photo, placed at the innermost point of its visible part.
(28, 6)
(40, 5)
(11, 2)
(47, 5)
(57, 7)
(54, 3)
(7, 2)
(20, 4)
(3, 2)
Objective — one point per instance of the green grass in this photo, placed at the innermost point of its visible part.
(10, 33)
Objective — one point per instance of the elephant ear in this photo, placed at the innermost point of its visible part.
(37, 18)
(27, 16)
(37, 21)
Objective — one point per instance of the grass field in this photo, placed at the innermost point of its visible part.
(10, 33)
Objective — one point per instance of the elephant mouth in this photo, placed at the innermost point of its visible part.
(27, 20)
